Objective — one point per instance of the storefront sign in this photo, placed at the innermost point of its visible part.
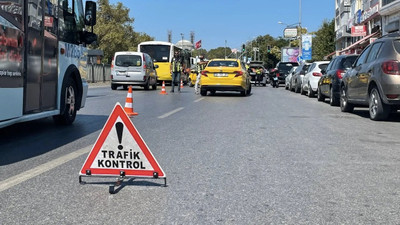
(358, 31)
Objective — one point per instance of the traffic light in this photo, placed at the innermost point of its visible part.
(268, 48)
(243, 48)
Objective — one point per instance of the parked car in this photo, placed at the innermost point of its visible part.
(374, 79)
(283, 69)
(297, 77)
(225, 75)
(329, 83)
(311, 78)
(253, 67)
(288, 78)
(133, 68)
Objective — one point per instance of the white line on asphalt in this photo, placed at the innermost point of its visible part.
(17, 179)
(197, 100)
(170, 113)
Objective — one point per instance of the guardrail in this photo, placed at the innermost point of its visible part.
(98, 73)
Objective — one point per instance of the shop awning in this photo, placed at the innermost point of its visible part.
(360, 42)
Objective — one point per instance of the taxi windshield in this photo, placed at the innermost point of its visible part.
(223, 63)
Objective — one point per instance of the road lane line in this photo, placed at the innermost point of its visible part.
(170, 113)
(197, 100)
(24, 176)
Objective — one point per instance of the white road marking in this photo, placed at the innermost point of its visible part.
(24, 176)
(170, 113)
(197, 100)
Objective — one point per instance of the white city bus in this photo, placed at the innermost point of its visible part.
(43, 59)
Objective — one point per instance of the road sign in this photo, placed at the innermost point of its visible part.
(120, 149)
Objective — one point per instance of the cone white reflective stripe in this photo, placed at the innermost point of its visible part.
(128, 105)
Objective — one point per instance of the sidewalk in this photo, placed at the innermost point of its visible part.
(100, 84)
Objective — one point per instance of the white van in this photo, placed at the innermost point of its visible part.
(133, 68)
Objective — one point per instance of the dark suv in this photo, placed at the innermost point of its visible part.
(329, 83)
(374, 79)
(283, 69)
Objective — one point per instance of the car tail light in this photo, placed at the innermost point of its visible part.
(339, 73)
(238, 73)
(392, 96)
(144, 62)
(277, 74)
(391, 67)
(204, 73)
(144, 78)
(316, 74)
(112, 63)
(111, 76)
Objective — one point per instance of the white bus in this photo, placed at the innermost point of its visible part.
(43, 59)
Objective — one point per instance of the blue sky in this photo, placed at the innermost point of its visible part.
(214, 21)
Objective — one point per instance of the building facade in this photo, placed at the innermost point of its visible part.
(360, 22)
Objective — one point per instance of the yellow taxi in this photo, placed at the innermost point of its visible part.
(225, 75)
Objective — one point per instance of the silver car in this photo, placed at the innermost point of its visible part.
(374, 79)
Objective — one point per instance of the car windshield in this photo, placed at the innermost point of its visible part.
(323, 66)
(285, 67)
(223, 63)
(128, 60)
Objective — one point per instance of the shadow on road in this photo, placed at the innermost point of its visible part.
(30, 139)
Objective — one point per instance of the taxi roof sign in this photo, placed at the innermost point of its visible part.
(120, 149)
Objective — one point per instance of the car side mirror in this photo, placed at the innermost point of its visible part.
(155, 66)
(90, 13)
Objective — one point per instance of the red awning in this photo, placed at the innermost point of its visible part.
(360, 42)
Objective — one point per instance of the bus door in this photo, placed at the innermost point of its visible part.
(41, 61)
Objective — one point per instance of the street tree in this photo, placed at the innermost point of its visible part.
(115, 31)
(324, 40)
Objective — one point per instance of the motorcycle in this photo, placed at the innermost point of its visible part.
(273, 78)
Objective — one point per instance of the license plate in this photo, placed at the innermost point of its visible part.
(220, 74)
(275, 78)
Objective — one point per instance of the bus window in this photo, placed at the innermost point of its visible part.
(160, 53)
(71, 21)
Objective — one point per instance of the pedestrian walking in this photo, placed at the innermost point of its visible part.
(176, 68)
(200, 67)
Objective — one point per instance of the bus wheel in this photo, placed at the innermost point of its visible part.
(68, 103)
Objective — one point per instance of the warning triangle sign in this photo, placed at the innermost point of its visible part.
(120, 147)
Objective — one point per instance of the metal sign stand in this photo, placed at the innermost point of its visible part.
(120, 179)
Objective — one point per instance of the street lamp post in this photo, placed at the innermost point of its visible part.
(182, 40)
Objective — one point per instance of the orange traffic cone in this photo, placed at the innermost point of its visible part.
(163, 92)
(129, 104)
(181, 84)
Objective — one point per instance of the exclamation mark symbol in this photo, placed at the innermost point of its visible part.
(120, 127)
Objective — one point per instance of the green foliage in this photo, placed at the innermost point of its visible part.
(219, 53)
(323, 42)
(115, 31)
(198, 52)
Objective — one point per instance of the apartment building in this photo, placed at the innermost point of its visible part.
(360, 22)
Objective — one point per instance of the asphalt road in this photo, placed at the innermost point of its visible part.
(274, 157)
